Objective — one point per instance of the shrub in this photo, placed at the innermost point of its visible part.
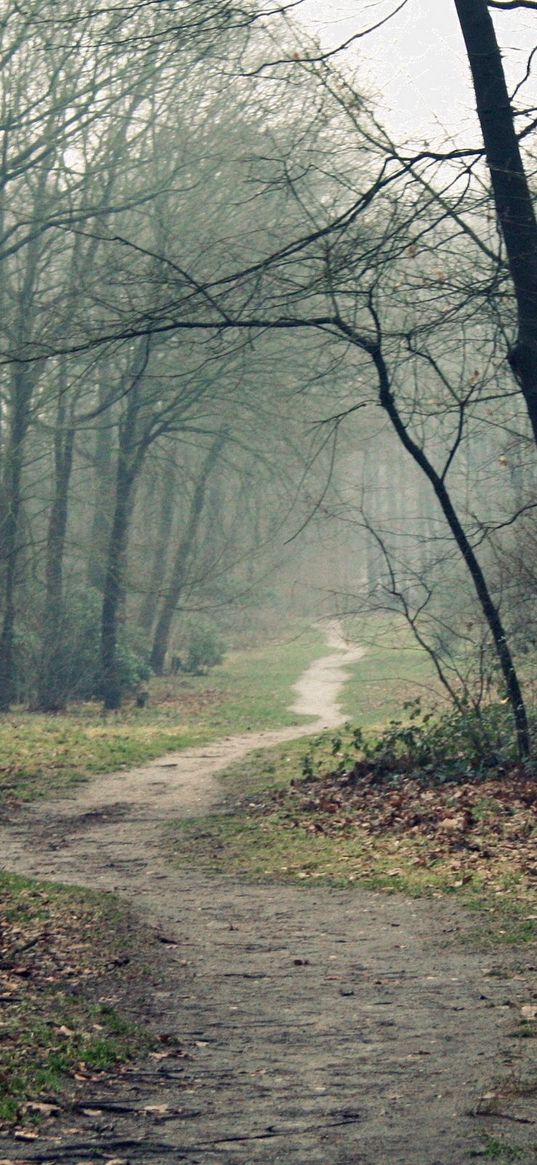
(77, 653)
(459, 744)
(203, 647)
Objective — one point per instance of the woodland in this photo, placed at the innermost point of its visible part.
(268, 388)
(245, 335)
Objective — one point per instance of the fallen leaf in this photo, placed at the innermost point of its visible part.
(172, 1054)
(41, 1107)
(156, 1110)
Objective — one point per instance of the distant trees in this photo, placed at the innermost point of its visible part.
(136, 178)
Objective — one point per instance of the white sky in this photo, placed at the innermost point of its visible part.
(415, 65)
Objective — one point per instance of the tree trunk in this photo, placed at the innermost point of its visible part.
(9, 531)
(486, 602)
(512, 197)
(52, 692)
(182, 559)
(110, 680)
(104, 485)
(25, 379)
(148, 609)
(133, 446)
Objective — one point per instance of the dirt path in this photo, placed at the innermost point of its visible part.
(320, 1027)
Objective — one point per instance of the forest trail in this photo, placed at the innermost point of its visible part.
(184, 783)
(301, 1026)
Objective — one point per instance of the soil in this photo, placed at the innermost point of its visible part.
(297, 1026)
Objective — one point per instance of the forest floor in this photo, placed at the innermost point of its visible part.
(290, 1024)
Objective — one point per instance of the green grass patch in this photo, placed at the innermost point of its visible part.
(57, 944)
(257, 684)
(503, 1152)
(43, 755)
(395, 669)
(267, 846)
(264, 770)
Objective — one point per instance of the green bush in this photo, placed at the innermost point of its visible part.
(459, 741)
(203, 647)
(458, 744)
(77, 653)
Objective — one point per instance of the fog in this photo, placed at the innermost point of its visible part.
(255, 360)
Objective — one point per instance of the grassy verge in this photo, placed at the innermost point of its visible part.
(294, 815)
(471, 839)
(394, 669)
(270, 847)
(56, 1031)
(41, 755)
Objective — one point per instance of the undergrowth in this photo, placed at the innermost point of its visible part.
(57, 1028)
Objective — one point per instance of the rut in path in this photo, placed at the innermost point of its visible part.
(323, 1027)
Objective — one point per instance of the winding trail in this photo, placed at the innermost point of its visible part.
(322, 1027)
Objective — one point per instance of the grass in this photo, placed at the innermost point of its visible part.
(57, 947)
(504, 1153)
(269, 846)
(42, 755)
(46, 755)
(257, 684)
(261, 839)
(394, 669)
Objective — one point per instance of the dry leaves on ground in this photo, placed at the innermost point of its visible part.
(479, 821)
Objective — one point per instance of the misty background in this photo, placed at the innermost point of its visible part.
(225, 264)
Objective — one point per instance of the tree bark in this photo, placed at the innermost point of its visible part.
(9, 532)
(133, 446)
(512, 197)
(110, 681)
(25, 379)
(182, 559)
(52, 694)
(104, 485)
(149, 607)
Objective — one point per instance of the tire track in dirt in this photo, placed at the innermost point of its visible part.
(322, 1027)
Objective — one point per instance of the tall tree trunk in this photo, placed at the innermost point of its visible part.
(512, 197)
(149, 607)
(104, 486)
(110, 680)
(179, 573)
(52, 692)
(25, 379)
(132, 448)
(9, 531)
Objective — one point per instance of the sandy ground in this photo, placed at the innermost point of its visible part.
(301, 1026)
